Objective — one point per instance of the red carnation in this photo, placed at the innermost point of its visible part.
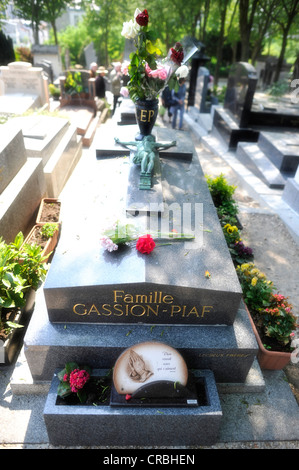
(177, 53)
(145, 244)
(142, 18)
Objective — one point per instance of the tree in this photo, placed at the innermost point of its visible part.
(223, 5)
(284, 17)
(52, 10)
(30, 10)
(247, 9)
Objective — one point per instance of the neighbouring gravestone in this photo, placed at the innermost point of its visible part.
(291, 192)
(25, 87)
(201, 93)
(232, 122)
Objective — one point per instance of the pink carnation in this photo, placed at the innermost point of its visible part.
(78, 379)
(160, 72)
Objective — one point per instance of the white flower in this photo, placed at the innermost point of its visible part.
(137, 12)
(108, 244)
(182, 71)
(130, 29)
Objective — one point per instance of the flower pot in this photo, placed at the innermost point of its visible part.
(49, 211)
(47, 245)
(10, 346)
(270, 360)
(146, 115)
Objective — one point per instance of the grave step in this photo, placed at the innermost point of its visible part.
(291, 194)
(20, 200)
(282, 148)
(90, 132)
(41, 134)
(227, 350)
(135, 426)
(252, 156)
(62, 162)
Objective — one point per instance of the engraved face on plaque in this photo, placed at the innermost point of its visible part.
(145, 363)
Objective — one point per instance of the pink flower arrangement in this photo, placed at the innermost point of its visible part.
(72, 380)
(77, 379)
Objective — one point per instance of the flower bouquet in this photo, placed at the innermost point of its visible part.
(123, 234)
(149, 76)
(72, 381)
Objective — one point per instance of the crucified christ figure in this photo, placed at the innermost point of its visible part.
(145, 154)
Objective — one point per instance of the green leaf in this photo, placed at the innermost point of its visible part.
(13, 325)
(63, 389)
(82, 396)
(70, 366)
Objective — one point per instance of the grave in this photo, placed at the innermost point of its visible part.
(274, 158)
(22, 183)
(95, 304)
(232, 122)
(156, 376)
(291, 192)
(25, 87)
(54, 140)
(242, 118)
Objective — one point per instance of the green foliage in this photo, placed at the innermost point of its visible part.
(278, 320)
(222, 195)
(257, 290)
(21, 268)
(49, 229)
(54, 90)
(73, 83)
(279, 88)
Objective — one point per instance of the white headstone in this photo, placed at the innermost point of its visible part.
(148, 362)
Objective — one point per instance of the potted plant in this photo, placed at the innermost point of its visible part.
(271, 317)
(21, 271)
(54, 91)
(49, 211)
(45, 236)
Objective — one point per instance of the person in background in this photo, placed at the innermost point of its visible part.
(167, 101)
(116, 83)
(93, 69)
(179, 107)
(100, 83)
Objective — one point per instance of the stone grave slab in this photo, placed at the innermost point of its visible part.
(41, 134)
(12, 153)
(21, 198)
(282, 148)
(252, 156)
(168, 286)
(24, 82)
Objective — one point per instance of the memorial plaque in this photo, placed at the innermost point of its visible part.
(146, 363)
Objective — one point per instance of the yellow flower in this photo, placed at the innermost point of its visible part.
(254, 281)
(207, 275)
(254, 271)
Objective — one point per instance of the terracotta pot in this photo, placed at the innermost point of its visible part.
(44, 202)
(50, 244)
(146, 115)
(270, 360)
